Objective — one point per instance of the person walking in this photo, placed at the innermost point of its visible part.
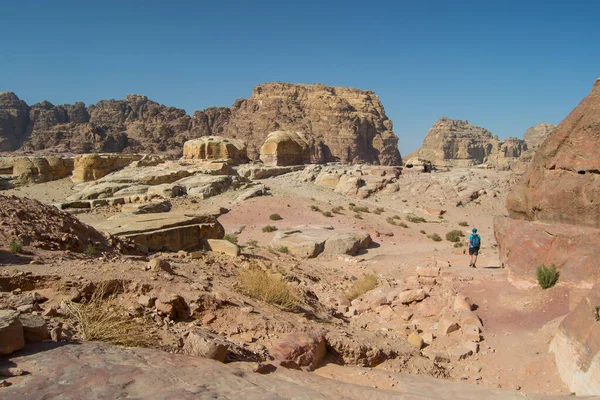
(474, 244)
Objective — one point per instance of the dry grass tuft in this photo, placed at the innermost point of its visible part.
(268, 287)
(101, 319)
(361, 286)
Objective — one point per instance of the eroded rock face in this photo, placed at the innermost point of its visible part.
(36, 169)
(562, 184)
(283, 148)
(89, 167)
(215, 148)
(576, 346)
(340, 124)
(456, 143)
(536, 135)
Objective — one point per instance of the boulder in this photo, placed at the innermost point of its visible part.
(215, 148)
(223, 246)
(166, 190)
(11, 332)
(89, 167)
(260, 190)
(160, 265)
(446, 325)
(283, 148)
(173, 305)
(205, 345)
(310, 241)
(302, 349)
(410, 296)
(576, 346)
(415, 340)
(34, 328)
(41, 169)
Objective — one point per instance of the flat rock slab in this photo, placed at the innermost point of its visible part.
(165, 231)
(310, 241)
(99, 371)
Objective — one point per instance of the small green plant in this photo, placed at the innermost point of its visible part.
(275, 217)
(328, 214)
(391, 221)
(15, 247)
(547, 276)
(404, 201)
(90, 250)
(283, 249)
(463, 223)
(415, 218)
(230, 237)
(435, 237)
(351, 204)
(454, 236)
(379, 210)
(315, 208)
(357, 216)
(402, 224)
(459, 244)
(396, 217)
(337, 210)
(359, 209)
(423, 232)
(269, 228)
(361, 286)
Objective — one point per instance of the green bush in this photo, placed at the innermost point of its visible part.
(230, 237)
(283, 249)
(454, 236)
(547, 277)
(337, 210)
(15, 247)
(459, 244)
(269, 228)
(435, 237)
(328, 214)
(315, 208)
(423, 232)
(391, 221)
(90, 250)
(463, 223)
(359, 209)
(402, 224)
(275, 217)
(379, 210)
(351, 204)
(357, 216)
(415, 218)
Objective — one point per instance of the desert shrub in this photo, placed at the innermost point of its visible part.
(454, 236)
(90, 250)
(415, 218)
(351, 204)
(328, 214)
(359, 209)
(15, 247)
(379, 210)
(315, 208)
(547, 276)
(283, 249)
(440, 217)
(269, 228)
(404, 201)
(357, 216)
(402, 224)
(275, 217)
(396, 217)
(100, 319)
(270, 288)
(423, 232)
(361, 286)
(463, 223)
(230, 237)
(391, 221)
(435, 237)
(337, 210)
(252, 243)
(458, 244)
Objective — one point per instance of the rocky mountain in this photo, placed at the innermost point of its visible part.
(457, 143)
(535, 135)
(340, 124)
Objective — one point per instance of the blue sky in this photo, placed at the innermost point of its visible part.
(504, 65)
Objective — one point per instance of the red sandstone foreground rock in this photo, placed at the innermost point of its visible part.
(562, 184)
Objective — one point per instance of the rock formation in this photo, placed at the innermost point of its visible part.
(456, 143)
(339, 124)
(36, 169)
(215, 148)
(283, 148)
(536, 135)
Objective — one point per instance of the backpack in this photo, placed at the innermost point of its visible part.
(475, 241)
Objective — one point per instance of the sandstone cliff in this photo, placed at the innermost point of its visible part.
(456, 143)
(562, 184)
(340, 124)
(536, 135)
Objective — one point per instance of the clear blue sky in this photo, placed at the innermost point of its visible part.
(504, 65)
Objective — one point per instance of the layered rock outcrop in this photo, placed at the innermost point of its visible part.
(456, 143)
(536, 135)
(36, 169)
(339, 124)
(283, 148)
(215, 148)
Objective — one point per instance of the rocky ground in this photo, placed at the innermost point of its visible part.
(424, 288)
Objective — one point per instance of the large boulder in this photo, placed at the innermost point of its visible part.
(11, 332)
(89, 167)
(310, 241)
(215, 148)
(301, 349)
(576, 346)
(282, 148)
(562, 184)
